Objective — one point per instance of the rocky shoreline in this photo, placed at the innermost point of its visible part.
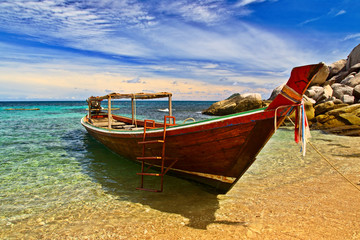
(332, 100)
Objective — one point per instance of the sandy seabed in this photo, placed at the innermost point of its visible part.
(324, 207)
(298, 198)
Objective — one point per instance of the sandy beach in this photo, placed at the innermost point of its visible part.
(318, 206)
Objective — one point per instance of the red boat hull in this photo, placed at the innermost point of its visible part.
(216, 152)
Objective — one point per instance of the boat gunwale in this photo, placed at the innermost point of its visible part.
(179, 126)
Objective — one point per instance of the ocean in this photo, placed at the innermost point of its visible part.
(54, 175)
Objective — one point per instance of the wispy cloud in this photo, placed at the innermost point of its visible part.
(341, 12)
(352, 36)
(200, 42)
(309, 21)
(243, 3)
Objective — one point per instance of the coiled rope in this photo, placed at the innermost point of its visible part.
(327, 160)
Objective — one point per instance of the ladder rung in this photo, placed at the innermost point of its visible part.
(152, 141)
(149, 190)
(150, 174)
(149, 158)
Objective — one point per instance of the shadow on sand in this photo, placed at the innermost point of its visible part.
(117, 176)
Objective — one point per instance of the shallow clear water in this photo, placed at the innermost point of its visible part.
(49, 163)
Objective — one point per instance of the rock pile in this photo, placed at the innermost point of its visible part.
(335, 94)
(332, 100)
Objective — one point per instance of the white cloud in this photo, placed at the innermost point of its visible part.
(352, 36)
(243, 3)
(341, 12)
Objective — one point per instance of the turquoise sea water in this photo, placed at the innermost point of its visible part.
(49, 164)
(48, 159)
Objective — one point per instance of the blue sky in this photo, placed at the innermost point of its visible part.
(198, 50)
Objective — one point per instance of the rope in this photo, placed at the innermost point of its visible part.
(332, 165)
(323, 157)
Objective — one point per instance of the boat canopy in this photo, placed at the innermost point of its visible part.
(131, 96)
(94, 102)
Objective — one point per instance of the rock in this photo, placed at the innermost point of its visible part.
(309, 111)
(235, 104)
(347, 109)
(337, 101)
(251, 96)
(324, 107)
(315, 92)
(328, 121)
(348, 99)
(336, 67)
(321, 76)
(352, 80)
(354, 68)
(356, 91)
(276, 91)
(248, 104)
(353, 58)
(308, 99)
(233, 95)
(328, 91)
(350, 118)
(346, 80)
(340, 90)
(328, 106)
(338, 77)
(344, 120)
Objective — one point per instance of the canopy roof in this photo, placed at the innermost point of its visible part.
(131, 95)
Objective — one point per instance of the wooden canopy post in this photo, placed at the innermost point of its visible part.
(170, 109)
(132, 110)
(109, 112)
(89, 106)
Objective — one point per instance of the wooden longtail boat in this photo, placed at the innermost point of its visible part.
(215, 152)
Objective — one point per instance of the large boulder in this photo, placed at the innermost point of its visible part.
(321, 76)
(340, 90)
(328, 106)
(276, 92)
(336, 67)
(338, 77)
(238, 103)
(345, 120)
(355, 109)
(354, 68)
(315, 92)
(356, 91)
(353, 58)
(352, 80)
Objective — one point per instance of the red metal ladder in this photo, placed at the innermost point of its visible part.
(168, 121)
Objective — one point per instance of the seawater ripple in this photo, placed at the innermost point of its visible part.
(48, 162)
